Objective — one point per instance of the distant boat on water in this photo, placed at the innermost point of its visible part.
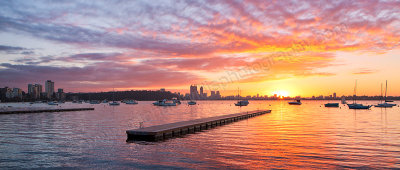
(52, 103)
(165, 102)
(385, 104)
(191, 102)
(355, 105)
(296, 102)
(241, 102)
(114, 103)
(332, 105)
(358, 106)
(130, 102)
(94, 102)
(176, 100)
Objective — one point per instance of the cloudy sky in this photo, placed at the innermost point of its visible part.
(296, 47)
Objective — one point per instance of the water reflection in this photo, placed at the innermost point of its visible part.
(305, 136)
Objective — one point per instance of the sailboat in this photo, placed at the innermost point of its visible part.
(241, 102)
(113, 103)
(332, 105)
(355, 105)
(295, 102)
(385, 104)
(191, 102)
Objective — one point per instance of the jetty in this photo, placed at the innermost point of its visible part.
(31, 110)
(165, 131)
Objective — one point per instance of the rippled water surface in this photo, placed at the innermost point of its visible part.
(306, 136)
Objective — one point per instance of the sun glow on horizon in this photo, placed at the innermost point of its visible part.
(281, 93)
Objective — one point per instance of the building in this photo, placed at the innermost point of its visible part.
(194, 94)
(334, 95)
(15, 93)
(212, 95)
(6, 93)
(60, 95)
(30, 89)
(34, 90)
(218, 95)
(201, 92)
(162, 89)
(49, 87)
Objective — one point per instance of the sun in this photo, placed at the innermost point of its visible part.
(281, 93)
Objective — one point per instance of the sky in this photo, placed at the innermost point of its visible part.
(261, 47)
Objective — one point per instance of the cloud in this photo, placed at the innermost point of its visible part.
(364, 71)
(15, 50)
(95, 77)
(192, 38)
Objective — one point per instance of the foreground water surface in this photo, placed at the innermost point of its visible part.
(305, 136)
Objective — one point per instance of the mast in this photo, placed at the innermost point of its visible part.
(385, 90)
(355, 93)
(381, 92)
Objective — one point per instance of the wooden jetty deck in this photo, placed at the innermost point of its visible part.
(165, 131)
(44, 110)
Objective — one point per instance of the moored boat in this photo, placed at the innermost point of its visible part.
(130, 102)
(242, 103)
(165, 102)
(332, 105)
(297, 102)
(192, 102)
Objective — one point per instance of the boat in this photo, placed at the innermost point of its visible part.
(332, 105)
(296, 102)
(356, 105)
(165, 102)
(94, 102)
(176, 100)
(105, 101)
(191, 102)
(130, 102)
(386, 104)
(241, 102)
(113, 103)
(52, 103)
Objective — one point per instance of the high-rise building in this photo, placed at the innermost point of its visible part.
(193, 92)
(49, 87)
(218, 95)
(34, 90)
(16, 93)
(60, 94)
(212, 95)
(334, 95)
(201, 92)
(30, 89)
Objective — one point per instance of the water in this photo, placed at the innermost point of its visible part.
(306, 136)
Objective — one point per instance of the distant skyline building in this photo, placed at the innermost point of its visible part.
(60, 95)
(334, 95)
(201, 92)
(34, 90)
(49, 87)
(194, 94)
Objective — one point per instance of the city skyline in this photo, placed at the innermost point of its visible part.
(294, 48)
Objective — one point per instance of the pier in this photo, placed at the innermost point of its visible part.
(165, 131)
(44, 110)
